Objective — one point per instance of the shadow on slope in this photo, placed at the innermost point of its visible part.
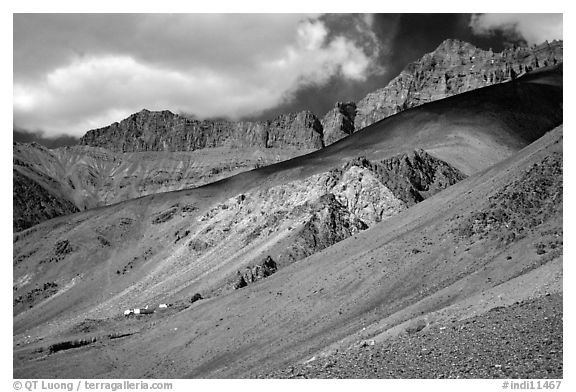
(470, 131)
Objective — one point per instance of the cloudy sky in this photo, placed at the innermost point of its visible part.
(76, 72)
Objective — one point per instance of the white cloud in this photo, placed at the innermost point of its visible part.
(534, 28)
(94, 92)
(311, 34)
(210, 66)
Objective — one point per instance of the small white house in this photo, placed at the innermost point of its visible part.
(144, 310)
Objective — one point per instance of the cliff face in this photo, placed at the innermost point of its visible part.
(453, 68)
(166, 131)
(339, 122)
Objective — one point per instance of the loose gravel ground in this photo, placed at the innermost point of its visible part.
(520, 341)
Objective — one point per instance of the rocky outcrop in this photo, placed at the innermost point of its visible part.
(255, 273)
(34, 296)
(339, 122)
(412, 177)
(166, 131)
(330, 223)
(362, 193)
(521, 206)
(196, 297)
(453, 68)
(369, 192)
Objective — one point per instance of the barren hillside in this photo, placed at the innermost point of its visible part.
(367, 236)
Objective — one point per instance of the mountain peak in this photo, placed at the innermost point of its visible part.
(454, 67)
(453, 45)
(146, 112)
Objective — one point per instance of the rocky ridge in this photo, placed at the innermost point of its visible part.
(453, 68)
(166, 131)
(412, 177)
(253, 274)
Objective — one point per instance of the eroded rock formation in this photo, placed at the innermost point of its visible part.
(299, 218)
(412, 177)
(166, 131)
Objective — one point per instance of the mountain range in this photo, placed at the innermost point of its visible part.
(304, 247)
(103, 172)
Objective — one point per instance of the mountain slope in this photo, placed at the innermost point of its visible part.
(527, 344)
(36, 198)
(422, 265)
(96, 263)
(81, 177)
(150, 152)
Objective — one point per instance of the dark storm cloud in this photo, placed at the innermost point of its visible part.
(404, 38)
